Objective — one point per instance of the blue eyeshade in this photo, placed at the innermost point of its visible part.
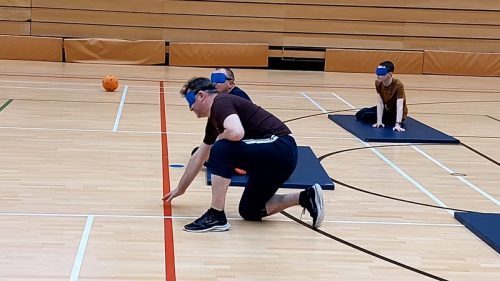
(218, 78)
(381, 70)
(191, 98)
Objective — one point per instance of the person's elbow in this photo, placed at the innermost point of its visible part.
(236, 134)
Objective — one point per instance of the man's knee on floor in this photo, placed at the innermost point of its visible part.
(252, 214)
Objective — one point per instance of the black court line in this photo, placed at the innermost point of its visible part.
(477, 137)
(318, 114)
(453, 102)
(399, 199)
(413, 104)
(382, 195)
(5, 104)
(359, 248)
(496, 119)
(481, 154)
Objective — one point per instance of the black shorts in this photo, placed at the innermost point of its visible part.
(268, 162)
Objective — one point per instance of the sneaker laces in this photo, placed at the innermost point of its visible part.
(203, 218)
(303, 212)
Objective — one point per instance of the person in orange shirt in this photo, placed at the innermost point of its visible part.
(391, 106)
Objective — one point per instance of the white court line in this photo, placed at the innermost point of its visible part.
(229, 218)
(400, 171)
(344, 101)
(77, 130)
(407, 177)
(96, 88)
(313, 102)
(81, 249)
(51, 88)
(98, 83)
(120, 109)
(290, 97)
(462, 179)
(147, 132)
(471, 185)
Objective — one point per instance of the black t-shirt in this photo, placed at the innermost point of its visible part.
(257, 122)
(239, 92)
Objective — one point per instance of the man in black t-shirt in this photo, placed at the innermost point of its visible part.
(223, 79)
(240, 134)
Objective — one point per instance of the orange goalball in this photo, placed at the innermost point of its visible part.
(110, 82)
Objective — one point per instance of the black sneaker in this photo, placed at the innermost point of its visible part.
(312, 200)
(208, 222)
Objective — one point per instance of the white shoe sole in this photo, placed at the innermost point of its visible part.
(215, 228)
(318, 199)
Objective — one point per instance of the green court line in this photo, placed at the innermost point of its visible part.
(5, 104)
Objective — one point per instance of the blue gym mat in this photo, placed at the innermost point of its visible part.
(308, 172)
(485, 225)
(416, 132)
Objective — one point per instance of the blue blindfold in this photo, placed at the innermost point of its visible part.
(191, 98)
(218, 78)
(381, 70)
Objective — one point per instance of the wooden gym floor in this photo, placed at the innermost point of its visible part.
(83, 172)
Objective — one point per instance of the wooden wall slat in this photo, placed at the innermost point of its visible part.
(145, 33)
(14, 28)
(95, 31)
(15, 14)
(413, 25)
(451, 44)
(343, 41)
(393, 14)
(109, 5)
(266, 24)
(443, 4)
(452, 31)
(273, 39)
(174, 7)
(157, 20)
(15, 3)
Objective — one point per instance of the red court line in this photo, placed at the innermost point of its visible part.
(167, 208)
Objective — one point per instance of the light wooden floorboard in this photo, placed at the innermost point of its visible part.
(62, 162)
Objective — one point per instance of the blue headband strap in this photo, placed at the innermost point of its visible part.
(218, 78)
(381, 70)
(191, 98)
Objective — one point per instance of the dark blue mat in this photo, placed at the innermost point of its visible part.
(308, 172)
(416, 132)
(485, 225)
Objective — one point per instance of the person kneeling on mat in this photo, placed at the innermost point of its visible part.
(240, 134)
(391, 106)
